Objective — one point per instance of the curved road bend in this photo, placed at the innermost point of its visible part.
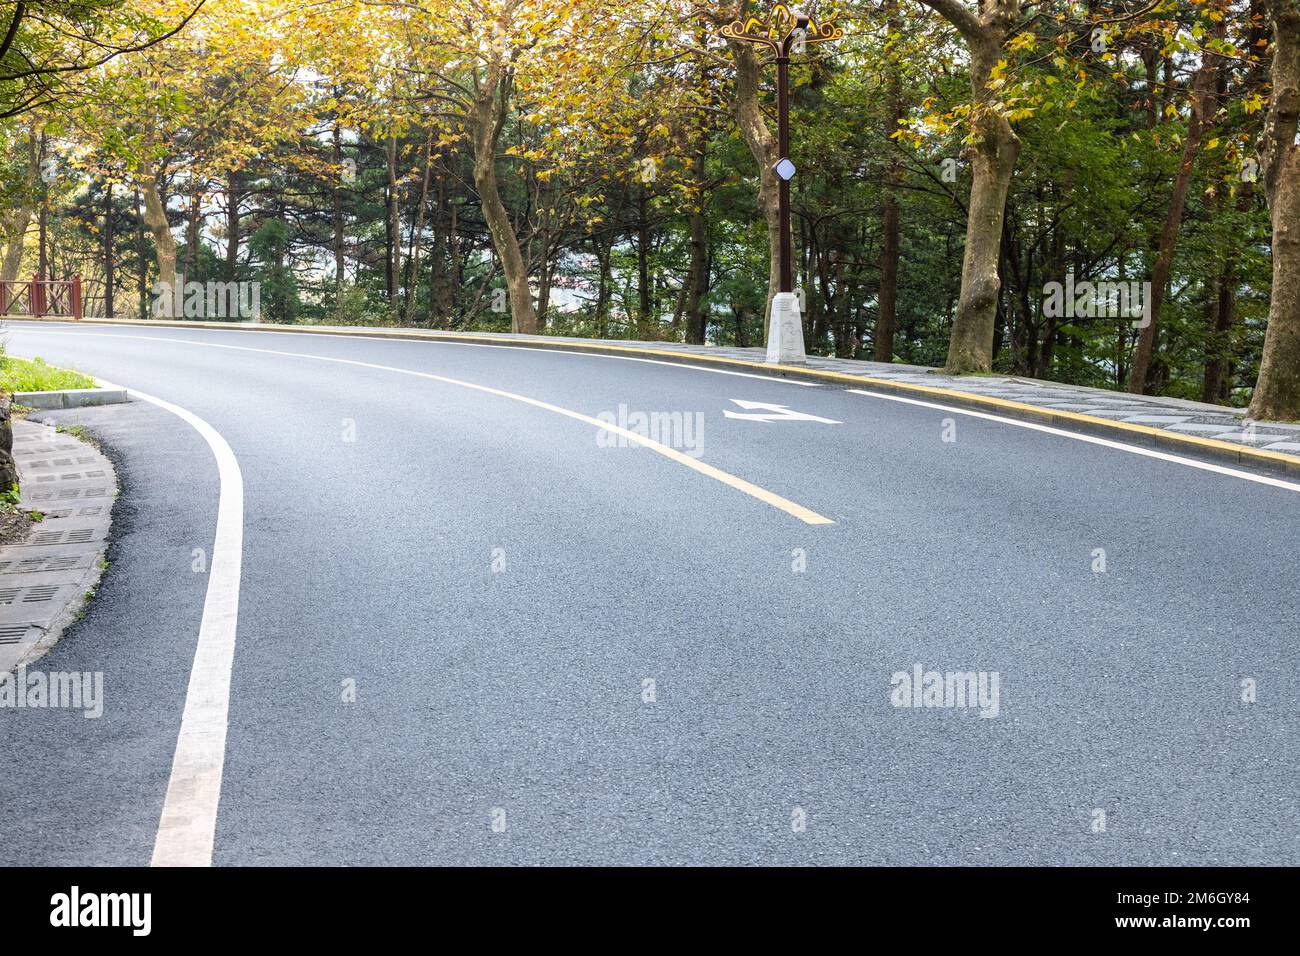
(498, 586)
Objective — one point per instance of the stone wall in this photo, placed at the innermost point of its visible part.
(8, 471)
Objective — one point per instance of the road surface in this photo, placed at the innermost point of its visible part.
(476, 628)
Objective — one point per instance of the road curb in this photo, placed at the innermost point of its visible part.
(1128, 432)
(71, 398)
(45, 580)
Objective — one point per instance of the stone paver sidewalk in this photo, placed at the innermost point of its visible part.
(44, 580)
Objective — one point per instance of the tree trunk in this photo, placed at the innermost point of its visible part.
(1220, 309)
(338, 210)
(487, 117)
(17, 221)
(762, 144)
(108, 251)
(192, 232)
(1277, 391)
(544, 280)
(643, 264)
(603, 255)
(392, 225)
(234, 196)
(993, 159)
(417, 235)
(696, 287)
(887, 300)
(141, 261)
(155, 217)
(1201, 112)
(439, 287)
(697, 280)
(43, 225)
(454, 269)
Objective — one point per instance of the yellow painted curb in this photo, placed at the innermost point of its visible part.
(1140, 434)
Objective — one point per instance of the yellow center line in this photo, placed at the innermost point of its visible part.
(791, 508)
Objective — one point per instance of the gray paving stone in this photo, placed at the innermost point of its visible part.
(1247, 438)
(1117, 413)
(44, 578)
(1201, 428)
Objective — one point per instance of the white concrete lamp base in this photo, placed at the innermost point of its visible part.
(785, 331)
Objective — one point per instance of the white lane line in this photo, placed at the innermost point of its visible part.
(484, 345)
(189, 815)
(1092, 440)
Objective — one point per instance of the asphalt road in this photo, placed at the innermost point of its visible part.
(499, 586)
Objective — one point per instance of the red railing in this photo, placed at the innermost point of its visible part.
(39, 297)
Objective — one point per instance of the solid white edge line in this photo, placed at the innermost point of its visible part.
(188, 823)
(1091, 439)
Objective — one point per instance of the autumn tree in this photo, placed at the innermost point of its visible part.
(993, 149)
(1277, 393)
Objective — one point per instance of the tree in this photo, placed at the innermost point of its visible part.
(1277, 392)
(48, 48)
(22, 196)
(887, 301)
(1203, 108)
(994, 147)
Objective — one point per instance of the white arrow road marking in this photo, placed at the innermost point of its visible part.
(774, 413)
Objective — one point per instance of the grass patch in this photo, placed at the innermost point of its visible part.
(34, 375)
(81, 433)
(76, 431)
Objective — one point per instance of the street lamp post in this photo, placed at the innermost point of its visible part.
(784, 32)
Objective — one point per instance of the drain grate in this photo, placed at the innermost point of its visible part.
(9, 595)
(60, 564)
(41, 593)
(47, 537)
(80, 536)
(13, 633)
